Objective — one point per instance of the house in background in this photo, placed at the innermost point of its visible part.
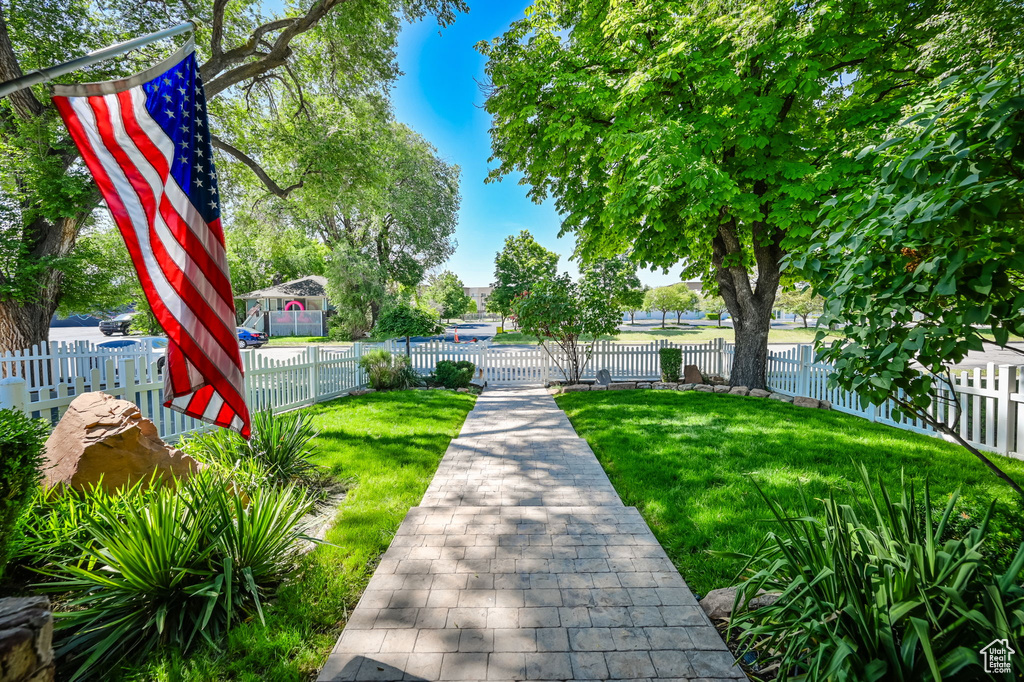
(295, 308)
(479, 296)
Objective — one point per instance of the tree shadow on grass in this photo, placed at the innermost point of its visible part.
(689, 462)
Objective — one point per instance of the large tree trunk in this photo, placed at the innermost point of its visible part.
(751, 306)
(24, 323)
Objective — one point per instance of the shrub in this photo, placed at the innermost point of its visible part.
(874, 592)
(21, 456)
(53, 530)
(454, 374)
(386, 371)
(712, 316)
(279, 449)
(177, 570)
(671, 364)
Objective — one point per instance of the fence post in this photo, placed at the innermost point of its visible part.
(720, 356)
(1006, 419)
(14, 394)
(806, 359)
(357, 353)
(314, 374)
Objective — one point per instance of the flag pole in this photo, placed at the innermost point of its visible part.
(43, 75)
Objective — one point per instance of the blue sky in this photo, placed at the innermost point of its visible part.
(439, 98)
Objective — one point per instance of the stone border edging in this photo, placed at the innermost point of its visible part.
(799, 401)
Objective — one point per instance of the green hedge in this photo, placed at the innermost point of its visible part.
(671, 364)
(454, 374)
(21, 457)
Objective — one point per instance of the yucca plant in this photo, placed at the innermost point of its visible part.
(279, 449)
(176, 570)
(53, 529)
(386, 371)
(872, 592)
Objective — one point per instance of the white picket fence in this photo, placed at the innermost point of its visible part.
(314, 375)
(44, 380)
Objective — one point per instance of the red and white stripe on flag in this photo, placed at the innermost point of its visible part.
(146, 142)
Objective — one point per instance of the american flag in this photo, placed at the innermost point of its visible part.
(146, 141)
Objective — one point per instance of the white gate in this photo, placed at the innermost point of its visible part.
(513, 366)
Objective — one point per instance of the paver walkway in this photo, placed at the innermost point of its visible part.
(522, 563)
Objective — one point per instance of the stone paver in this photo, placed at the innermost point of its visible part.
(521, 563)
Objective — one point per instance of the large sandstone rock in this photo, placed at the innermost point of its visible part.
(692, 375)
(572, 388)
(664, 386)
(26, 634)
(739, 390)
(759, 393)
(782, 397)
(101, 437)
(721, 388)
(801, 401)
(704, 388)
(718, 604)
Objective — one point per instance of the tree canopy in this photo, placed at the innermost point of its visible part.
(448, 294)
(710, 133)
(520, 264)
(298, 102)
(924, 261)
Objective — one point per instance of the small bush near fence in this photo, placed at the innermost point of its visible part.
(454, 374)
(21, 456)
(879, 591)
(671, 364)
(386, 371)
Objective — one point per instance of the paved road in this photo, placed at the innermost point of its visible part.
(521, 563)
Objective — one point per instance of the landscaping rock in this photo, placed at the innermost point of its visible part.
(101, 437)
(26, 640)
(598, 387)
(604, 377)
(781, 397)
(824, 404)
(462, 390)
(621, 385)
(685, 387)
(643, 384)
(704, 388)
(664, 386)
(759, 393)
(718, 604)
(692, 375)
(801, 401)
(716, 380)
(721, 388)
(365, 391)
(739, 390)
(572, 388)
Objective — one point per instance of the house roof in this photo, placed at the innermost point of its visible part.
(309, 286)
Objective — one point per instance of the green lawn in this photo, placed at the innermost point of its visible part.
(389, 444)
(687, 461)
(679, 334)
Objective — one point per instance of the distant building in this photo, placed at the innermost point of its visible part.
(293, 308)
(479, 296)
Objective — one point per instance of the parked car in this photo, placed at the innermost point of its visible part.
(119, 324)
(250, 338)
(153, 347)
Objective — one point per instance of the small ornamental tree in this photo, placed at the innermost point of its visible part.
(520, 263)
(801, 301)
(683, 300)
(925, 261)
(714, 307)
(562, 313)
(404, 320)
(661, 299)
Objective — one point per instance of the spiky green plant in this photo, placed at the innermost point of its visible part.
(873, 592)
(176, 570)
(279, 449)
